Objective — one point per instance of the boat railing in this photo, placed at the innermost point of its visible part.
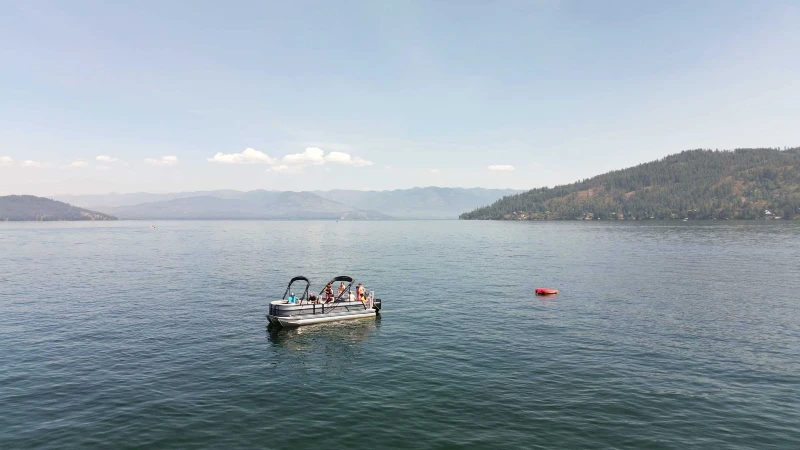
(369, 300)
(320, 307)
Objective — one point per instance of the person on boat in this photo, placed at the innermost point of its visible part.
(341, 289)
(328, 293)
(292, 298)
(312, 298)
(361, 292)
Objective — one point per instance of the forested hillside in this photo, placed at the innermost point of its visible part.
(29, 207)
(695, 184)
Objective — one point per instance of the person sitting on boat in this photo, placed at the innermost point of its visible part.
(292, 298)
(341, 289)
(312, 298)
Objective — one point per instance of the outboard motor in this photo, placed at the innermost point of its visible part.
(376, 304)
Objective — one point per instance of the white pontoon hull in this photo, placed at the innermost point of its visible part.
(296, 321)
(294, 315)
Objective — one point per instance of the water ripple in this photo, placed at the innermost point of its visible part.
(663, 336)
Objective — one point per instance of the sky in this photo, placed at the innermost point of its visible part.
(158, 96)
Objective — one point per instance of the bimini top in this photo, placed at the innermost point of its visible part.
(346, 279)
(305, 291)
(299, 279)
(341, 278)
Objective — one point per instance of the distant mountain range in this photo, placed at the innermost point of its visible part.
(251, 205)
(760, 183)
(28, 207)
(416, 203)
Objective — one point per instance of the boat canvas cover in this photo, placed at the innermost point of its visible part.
(342, 278)
(299, 278)
(345, 278)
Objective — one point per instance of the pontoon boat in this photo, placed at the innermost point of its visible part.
(308, 310)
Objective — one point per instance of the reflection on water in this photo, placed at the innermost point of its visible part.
(328, 350)
(348, 332)
(547, 301)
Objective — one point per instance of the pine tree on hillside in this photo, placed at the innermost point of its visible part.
(695, 184)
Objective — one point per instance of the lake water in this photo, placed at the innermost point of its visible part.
(664, 335)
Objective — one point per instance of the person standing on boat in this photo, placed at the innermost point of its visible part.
(341, 289)
(361, 292)
(328, 293)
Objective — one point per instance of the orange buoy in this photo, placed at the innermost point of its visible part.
(546, 291)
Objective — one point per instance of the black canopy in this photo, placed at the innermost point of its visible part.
(341, 278)
(305, 290)
(346, 279)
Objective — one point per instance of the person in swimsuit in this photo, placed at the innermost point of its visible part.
(341, 290)
(328, 293)
(361, 292)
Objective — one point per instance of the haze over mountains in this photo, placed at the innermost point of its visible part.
(31, 208)
(697, 184)
(416, 203)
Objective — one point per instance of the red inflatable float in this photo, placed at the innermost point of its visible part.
(546, 291)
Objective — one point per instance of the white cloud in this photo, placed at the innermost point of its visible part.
(501, 168)
(433, 170)
(293, 163)
(334, 146)
(103, 167)
(312, 155)
(345, 158)
(248, 156)
(360, 162)
(163, 161)
(35, 164)
(76, 165)
(316, 156)
(6, 161)
(108, 159)
(338, 157)
(387, 167)
(283, 168)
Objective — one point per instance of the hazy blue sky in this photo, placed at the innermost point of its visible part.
(393, 94)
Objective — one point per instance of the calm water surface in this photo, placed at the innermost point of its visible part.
(664, 335)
